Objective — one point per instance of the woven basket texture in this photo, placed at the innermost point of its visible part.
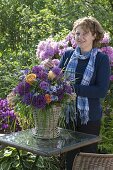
(92, 161)
(46, 122)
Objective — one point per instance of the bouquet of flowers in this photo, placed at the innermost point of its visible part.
(44, 92)
(41, 88)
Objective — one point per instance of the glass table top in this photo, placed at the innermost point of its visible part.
(67, 141)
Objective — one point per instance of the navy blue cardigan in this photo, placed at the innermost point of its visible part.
(99, 83)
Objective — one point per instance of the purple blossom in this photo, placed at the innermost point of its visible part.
(67, 89)
(60, 94)
(56, 71)
(37, 69)
(8, 119)
(71, 40)
(56, 62)
(62, 46)
(36, 94)
(111, 78)
(44, 85)
(5, 126)
(39, 101)
(42, 76)
(106, 38)
(27, 98)
(47, 49)
(22, 88)
(109, 51)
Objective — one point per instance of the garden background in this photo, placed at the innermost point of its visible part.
(23, 24)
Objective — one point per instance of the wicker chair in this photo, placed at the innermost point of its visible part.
(92, 161)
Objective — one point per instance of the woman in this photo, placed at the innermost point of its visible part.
(90, 69)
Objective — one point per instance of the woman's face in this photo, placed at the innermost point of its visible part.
(84, 39)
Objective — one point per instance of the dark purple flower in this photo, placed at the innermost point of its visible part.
(67, 89)
(56, 71)
(37, 69)
(44, 85)
(22, 88)
(8, 119)
(60, 94)
(39, 101)
(42, 76)
(5, 126)
(27, 98)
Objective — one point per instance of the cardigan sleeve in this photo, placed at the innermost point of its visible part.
(65, 58)
(100, 88)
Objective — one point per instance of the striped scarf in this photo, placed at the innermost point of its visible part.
(82, 102)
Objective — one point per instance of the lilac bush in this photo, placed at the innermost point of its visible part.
(53, 49)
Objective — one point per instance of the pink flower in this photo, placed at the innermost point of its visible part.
(47, 49)
(111, 77)
(62, 46)
(109, 51)
(106, 38)
(71, 40)
(56, 62)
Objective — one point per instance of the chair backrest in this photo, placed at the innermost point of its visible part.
(93, 161)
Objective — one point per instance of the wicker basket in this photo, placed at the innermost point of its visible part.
(46, 121)
(93, 161)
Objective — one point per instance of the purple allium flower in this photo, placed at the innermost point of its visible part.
(38, 101)
(56, 71)
(27, 98)
(42, 76)
(60, 94)
(44, 85)
(22, 88)
(37, 69)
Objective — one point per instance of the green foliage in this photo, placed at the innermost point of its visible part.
(26, 116)
(106, 145)
(11, 159)
(10, 66)
(23, 24)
